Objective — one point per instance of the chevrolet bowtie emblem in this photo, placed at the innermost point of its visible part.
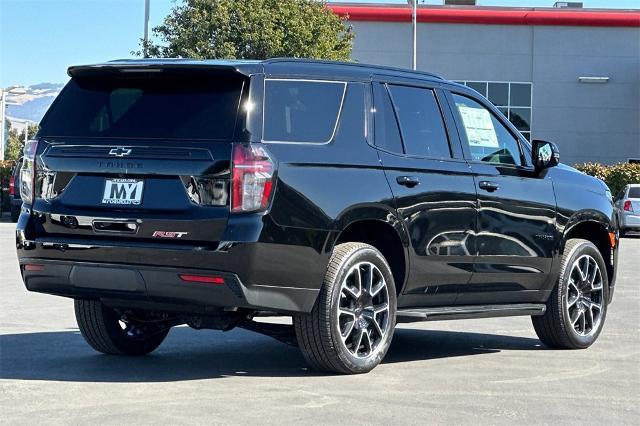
(120, 151)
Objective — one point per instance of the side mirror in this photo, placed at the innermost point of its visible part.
(544, 154)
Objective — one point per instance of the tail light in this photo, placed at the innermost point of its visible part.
(33, 268)
(627, 206)
(251, 178)
(27, 173)
(12, 186)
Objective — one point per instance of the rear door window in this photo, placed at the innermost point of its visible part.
(421, 123)
(301, 110)
(163, 107)
(387, 134)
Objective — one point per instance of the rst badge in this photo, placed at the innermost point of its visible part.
(123, 191)
(169, 234)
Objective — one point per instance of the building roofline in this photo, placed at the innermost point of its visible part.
(489, 15)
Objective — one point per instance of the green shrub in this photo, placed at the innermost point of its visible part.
(5, 169)
(621, 175)
(615, 176)
(594, 169)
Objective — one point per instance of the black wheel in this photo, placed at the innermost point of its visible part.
(351, 325)
(15, 214)
(113, 333)
(577, 307)
(623, 233)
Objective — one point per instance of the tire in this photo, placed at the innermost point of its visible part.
(623, 233)
(556, 328)
(368, 327)
(100, 326)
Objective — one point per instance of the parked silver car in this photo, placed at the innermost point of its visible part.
(628, 201)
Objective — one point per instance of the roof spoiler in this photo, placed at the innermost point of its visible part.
(150, 67)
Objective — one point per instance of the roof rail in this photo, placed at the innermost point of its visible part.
(353, 64)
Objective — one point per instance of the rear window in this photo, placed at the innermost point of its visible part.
(163, 107)
(301, 110)
(634, 192)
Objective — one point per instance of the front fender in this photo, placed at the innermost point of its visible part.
(608, 221)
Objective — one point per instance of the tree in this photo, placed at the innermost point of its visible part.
(251, 29)
(15, 142)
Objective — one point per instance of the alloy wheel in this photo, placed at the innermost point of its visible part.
(585, 296)
(363, 310)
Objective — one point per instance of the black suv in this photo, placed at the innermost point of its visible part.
(349, 197)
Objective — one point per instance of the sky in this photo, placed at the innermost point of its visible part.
(39, 39)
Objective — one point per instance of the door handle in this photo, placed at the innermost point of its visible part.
(408, 181)
(488, 186)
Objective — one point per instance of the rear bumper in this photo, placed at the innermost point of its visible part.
(159, 287)
(269, 268)
(630, 221)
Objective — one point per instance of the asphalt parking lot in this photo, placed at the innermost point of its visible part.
(492, 371)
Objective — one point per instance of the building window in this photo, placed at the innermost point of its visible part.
(512, 99)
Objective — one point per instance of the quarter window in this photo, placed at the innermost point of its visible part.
(301, 110)
(489, 140)
(421, 123)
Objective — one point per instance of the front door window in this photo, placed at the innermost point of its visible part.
(488, 139)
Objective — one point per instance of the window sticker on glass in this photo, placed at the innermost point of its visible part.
(479, 126)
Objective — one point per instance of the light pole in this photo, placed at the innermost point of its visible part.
(146, 27)
(414, 28)
(3, 115)
(3, 118)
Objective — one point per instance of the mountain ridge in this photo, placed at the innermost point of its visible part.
(30, 102)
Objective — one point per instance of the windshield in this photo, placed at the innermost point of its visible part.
(634, 192)
(166, 107)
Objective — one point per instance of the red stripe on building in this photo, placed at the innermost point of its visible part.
(502, 16)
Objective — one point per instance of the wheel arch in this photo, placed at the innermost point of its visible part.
(381, 228)
(596, 228)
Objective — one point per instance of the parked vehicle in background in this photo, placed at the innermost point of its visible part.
(628, 203)
(14, 191)
(347, 196)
